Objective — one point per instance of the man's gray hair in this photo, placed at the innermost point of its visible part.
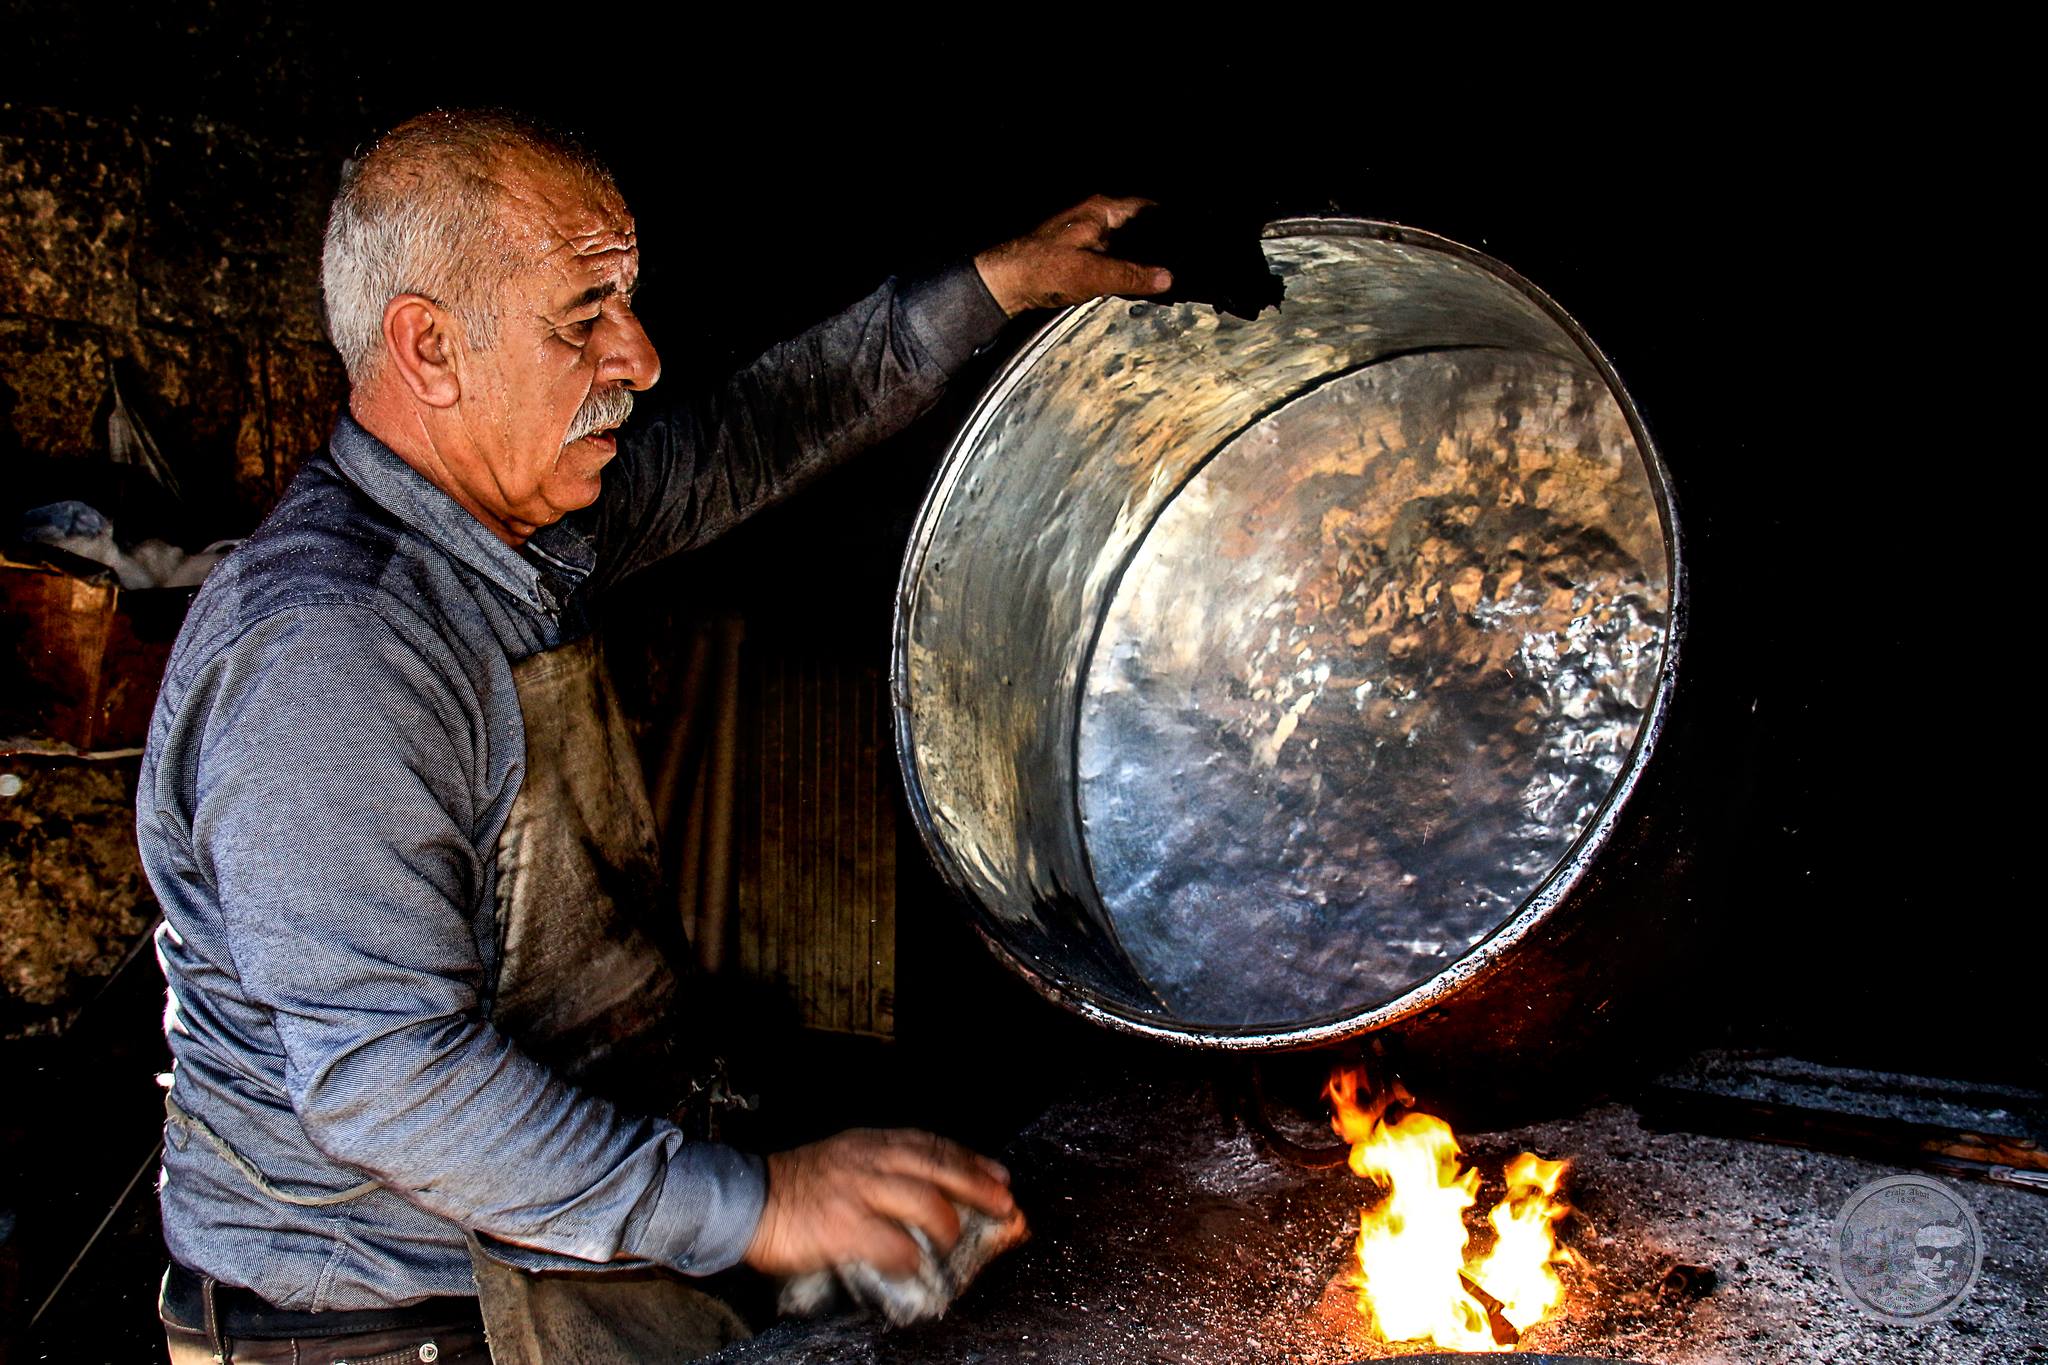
(418, 214)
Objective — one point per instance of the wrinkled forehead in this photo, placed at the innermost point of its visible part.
(555, 212)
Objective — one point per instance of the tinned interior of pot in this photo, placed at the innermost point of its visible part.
(1251, 674)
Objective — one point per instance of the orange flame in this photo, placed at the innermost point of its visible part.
(1412, 1247)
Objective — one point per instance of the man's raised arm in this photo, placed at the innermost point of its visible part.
(707, 462)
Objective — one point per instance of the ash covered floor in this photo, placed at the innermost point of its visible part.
(1164, 1232)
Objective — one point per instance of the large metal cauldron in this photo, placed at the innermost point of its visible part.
(1263, 683)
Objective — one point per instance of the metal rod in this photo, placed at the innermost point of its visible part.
(90, 1242)
(1998, 1158)
(1505, 1333)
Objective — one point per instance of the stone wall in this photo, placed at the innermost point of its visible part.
(185, 250)
(72, 897)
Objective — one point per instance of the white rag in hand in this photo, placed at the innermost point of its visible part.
(925, 1293)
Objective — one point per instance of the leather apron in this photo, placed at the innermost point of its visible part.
(587, 983)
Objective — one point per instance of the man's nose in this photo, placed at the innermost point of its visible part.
(630, 358)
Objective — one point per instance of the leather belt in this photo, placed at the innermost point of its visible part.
(243, 1313)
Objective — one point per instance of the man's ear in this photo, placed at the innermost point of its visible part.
(420, 346)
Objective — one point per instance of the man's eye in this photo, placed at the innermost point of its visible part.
(580, 329)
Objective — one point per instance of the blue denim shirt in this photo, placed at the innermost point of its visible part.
(332, 757)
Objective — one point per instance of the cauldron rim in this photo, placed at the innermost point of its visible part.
(1483, 958)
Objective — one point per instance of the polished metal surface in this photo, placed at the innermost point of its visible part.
(1366, 680)
(1257, 682)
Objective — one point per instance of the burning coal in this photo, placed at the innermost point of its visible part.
(1419, 1279)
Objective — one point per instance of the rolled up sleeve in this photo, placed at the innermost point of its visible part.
(334, 812)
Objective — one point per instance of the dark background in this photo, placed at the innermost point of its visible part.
(1768, 252)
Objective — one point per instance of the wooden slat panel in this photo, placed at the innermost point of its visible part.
(817, 818)
(749, 775)
(881, 986)
(775, 887)
(800, 756)
(845, 834)
(817, 891)
(861, 881)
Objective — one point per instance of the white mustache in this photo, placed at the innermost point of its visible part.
(606, 407)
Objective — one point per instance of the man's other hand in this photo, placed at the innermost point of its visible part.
(1066, 260)
(850, 1198)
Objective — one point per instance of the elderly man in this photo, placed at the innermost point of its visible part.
(425, 1039)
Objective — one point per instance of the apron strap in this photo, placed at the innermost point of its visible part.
(174, 1114)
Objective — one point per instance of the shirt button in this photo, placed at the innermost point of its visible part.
(430, 1352)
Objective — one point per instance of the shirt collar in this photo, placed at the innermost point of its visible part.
(555, 561)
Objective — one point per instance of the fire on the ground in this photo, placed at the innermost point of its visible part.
(1420, 1279)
